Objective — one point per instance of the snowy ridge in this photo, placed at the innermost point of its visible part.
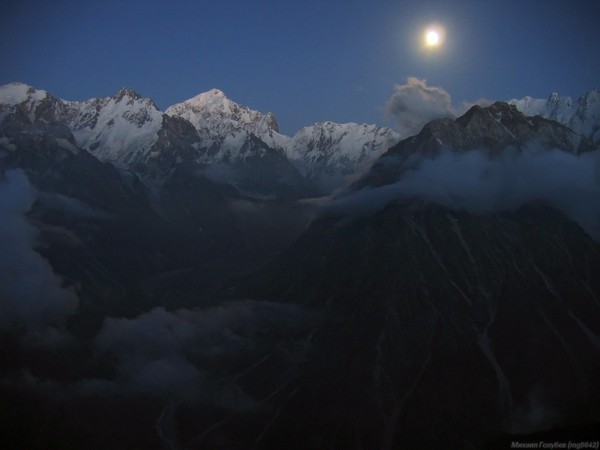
(117, 129)
(220, 120)
(339, 147)
(14, 94)
(582, 116)
(225, 126)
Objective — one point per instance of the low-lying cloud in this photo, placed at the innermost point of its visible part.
(184, 354)
(479, 184)
(32, 296)
(415, 103)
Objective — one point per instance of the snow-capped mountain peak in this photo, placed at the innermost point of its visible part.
(331, 154)
(220, 120)
(215, 116)
(127, 92)
(19, 96)
(117, 129)
(582, 116)
(214, 97)
(340, 145)
(131, 97)
(15, 93)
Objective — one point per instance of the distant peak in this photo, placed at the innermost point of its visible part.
(212, 96)
(554, 97)
(213, 100)
(502, 106)
(592, 93)
(216, 92)
(500, 111)
(327, 124)
(127, 92)
(494, 108)
(19, 86)
(17, 92)
(132, 96)
(475, 109)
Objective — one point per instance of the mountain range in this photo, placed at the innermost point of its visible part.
(195, 279)
(130, 132)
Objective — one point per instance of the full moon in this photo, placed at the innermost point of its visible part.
(433, 38)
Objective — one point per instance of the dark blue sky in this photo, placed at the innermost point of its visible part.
(306, 61)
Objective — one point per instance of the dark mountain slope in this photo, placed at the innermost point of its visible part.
(441, 328)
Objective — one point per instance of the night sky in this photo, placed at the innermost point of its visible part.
(306, 61)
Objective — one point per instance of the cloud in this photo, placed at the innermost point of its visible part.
(32, 296)
(478, 184)
(415, 103)
(185, 353)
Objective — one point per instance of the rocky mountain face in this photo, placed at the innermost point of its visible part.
(170, 282)
(582, 115)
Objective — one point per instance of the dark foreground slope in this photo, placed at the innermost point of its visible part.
(440, 329)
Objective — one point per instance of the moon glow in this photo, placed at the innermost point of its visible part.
(433, 36)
